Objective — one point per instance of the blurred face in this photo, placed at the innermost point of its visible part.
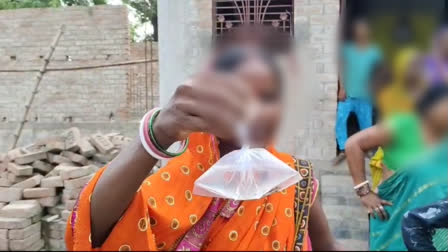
(437, 115)
(260, 77)
(443, 43)
(415, 79)
(361, 31)
(381, 79)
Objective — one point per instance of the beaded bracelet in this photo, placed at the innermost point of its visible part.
(148, 139)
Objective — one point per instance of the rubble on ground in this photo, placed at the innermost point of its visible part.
(40, 183)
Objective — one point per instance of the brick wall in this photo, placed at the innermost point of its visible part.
(144, 85)
(316, 25)
(91, 99)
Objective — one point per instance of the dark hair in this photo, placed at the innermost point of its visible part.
(435, 93)
(380, 77)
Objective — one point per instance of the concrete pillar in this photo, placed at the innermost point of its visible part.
(185, 35)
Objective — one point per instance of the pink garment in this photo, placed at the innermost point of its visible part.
(195, 237)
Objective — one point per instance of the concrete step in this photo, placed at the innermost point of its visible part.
(353, 245)
(326, 167)
(346, 217)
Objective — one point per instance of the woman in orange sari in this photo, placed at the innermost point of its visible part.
(122, 208)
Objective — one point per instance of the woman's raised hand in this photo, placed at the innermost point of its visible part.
(210, 102)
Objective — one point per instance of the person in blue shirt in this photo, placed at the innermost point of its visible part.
(358, 59)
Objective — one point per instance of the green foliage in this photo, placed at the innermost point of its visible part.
(83, 2)
(76, 2)
(17, 4)
(146, 11)
(133, 33)
(99, 2)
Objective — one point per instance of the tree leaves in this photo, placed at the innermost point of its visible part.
(146, 11)
(17, 4)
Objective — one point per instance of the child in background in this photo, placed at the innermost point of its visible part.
(359, 58)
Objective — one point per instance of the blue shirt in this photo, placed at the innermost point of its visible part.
(358, 66)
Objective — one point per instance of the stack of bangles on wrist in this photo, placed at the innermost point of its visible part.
(362, 189)
(149, 142)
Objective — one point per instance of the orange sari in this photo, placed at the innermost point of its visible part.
(164, 209)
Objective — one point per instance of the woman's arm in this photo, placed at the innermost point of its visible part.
(357, 146)
(355, 149)
(320, 235)
(117, 186)
(202, 105)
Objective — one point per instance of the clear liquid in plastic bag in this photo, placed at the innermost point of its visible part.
(246, 174)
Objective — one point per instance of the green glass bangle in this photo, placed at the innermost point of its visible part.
(156, 144)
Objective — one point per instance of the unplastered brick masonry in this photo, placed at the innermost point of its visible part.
(113, 97)
(40, 182)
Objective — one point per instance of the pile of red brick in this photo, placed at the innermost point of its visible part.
(39, 185)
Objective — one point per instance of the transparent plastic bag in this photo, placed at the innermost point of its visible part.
(246, 174)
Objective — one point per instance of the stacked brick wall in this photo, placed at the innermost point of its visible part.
(144, 85)
(95, 98)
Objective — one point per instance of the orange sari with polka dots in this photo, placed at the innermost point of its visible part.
(164, 209)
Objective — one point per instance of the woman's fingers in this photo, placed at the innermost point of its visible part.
(378, 212)
(385, 202)
(220, 98)
(383, 213)
(195, 124)
(372, 212)
(211, 102)
(200, 116)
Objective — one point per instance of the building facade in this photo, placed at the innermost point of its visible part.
(194, 24)
(187, 30)
(106, 98)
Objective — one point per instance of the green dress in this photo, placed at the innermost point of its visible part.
(421, 183)
(407, 140)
